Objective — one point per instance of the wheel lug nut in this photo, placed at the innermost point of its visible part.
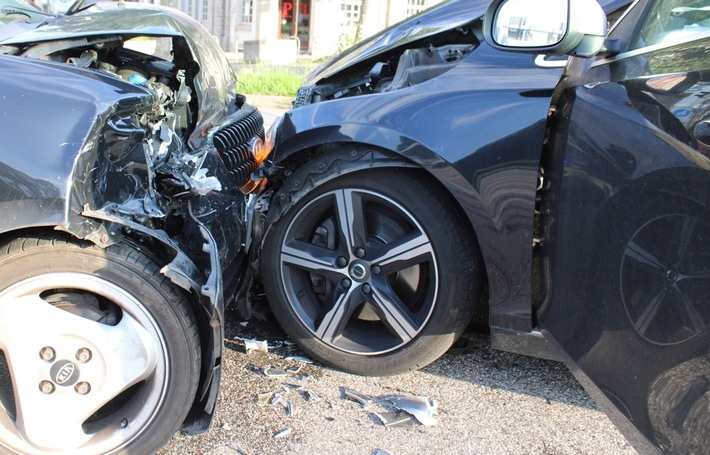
(341, 261)
(82, 388)
(47, 354)
(83, 355)
(376, 270)
(366, 288)
(360, 252)
(346, 283)
(46, 387)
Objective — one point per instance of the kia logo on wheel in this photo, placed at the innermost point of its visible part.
(64, 373)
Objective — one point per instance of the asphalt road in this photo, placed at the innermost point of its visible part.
(489, 402)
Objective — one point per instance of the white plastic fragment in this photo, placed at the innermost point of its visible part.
(421, 408)
(254, 345)
(357, 397)
(282, 433)
(395, 419)
(264, 398)
(275, 372)
(299, 358)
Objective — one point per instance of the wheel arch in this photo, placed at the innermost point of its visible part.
(319, 153)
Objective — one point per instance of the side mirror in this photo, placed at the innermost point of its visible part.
(573, 27)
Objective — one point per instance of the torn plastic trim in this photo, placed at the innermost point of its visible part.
(182, 271)
(421, 408)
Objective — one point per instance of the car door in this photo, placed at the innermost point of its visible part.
(627, 242)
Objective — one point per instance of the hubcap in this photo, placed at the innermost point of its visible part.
(72, 376)
(359, 271)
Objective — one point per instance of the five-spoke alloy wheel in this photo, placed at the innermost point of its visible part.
(371, 272)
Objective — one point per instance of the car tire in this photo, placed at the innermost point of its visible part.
(372, 272)
(99, 352)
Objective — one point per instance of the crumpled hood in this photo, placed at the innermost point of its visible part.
(215, 82)
(443, 17)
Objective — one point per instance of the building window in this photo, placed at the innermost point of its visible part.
(205, 10)
(415, 7)
(350, 12)
(295, 21)
(248, 12)
(190, 8)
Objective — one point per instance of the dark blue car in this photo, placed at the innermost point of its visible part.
(429, 173)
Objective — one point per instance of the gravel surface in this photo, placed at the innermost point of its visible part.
(489, 402)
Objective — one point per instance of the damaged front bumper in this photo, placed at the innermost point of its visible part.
(191, 210)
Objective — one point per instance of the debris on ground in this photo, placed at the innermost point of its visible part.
(254, 345)
(421, 408)
(395, 419)
(352, 395)
(299, 358)
(282, 433)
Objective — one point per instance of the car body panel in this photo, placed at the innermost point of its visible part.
(591, 212)
(450, 125)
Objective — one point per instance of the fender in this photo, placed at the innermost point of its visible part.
(497, 190)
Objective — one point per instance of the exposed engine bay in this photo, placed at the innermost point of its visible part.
(163, 66)
(171, 114)
(395, 69)
(158, 152)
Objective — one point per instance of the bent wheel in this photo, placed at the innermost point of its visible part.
(100, 353)
(371, 272)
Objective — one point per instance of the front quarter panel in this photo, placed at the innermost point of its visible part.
(45, 126)
(477, 136)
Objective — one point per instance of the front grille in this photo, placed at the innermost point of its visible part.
(232, 143)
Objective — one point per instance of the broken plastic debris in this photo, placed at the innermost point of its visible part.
(275, 372)
(352, 395)
(395, 419)
(380, 452)
(264, 398)
(282, 433)
(310, 395)
(299, 358)
(254, 345)
(294, 370)
(279, 400)
(254, 369)
(420, 407)
(244, 323)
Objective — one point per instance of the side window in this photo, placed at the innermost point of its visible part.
(671, 20)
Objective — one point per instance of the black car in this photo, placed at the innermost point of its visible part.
(436, 176)
(408, 173)
(126, 184)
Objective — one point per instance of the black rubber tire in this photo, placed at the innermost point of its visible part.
(131, 291)
(434, 294)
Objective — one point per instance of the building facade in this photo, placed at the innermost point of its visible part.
(280, 31)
